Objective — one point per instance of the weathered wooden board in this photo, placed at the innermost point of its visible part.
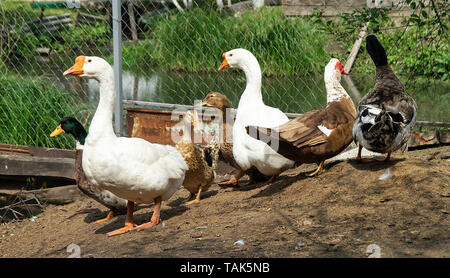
(165, 127)
(19, 165)
(56, 195)
(7, 149)
(16, 160)
(444, 137)
(84, 18)
(48, 23)
(424, 139)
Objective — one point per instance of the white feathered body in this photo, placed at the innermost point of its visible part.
(248, 151)
(133, 168)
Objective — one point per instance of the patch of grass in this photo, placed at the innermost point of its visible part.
(30, 110)
(195, 40)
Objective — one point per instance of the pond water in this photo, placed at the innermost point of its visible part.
(294, 94)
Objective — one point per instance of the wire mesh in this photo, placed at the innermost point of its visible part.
(171, 51)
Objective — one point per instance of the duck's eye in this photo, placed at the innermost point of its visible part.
(90, 60)
(231, 54)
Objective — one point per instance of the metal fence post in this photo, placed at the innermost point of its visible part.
(117, 45)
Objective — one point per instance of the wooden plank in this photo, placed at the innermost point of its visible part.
(169, 106)
(351, 59)
(444, 137)
(56, 195)
(355, 49)
(426, 138)
(8, 149)
(48, 23)
(91, 18)
(428, 123)
(18, 165)
(132, 23)
(49, 18)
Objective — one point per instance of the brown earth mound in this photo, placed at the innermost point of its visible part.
(339, 213)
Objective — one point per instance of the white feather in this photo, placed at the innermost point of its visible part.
(324, 130)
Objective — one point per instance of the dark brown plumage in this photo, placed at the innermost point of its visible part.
(386, 115)
(300, 139)
(319, 134)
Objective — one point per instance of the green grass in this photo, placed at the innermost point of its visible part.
(30, 110)
(194, 42)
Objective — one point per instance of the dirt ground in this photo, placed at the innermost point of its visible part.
(339, 213)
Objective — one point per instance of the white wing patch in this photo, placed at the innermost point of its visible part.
(324, 130)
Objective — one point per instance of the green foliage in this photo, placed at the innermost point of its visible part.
(30, 110)
(419, 46)
(195, 40)
(77, 38)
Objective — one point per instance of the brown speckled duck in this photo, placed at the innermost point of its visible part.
(200, 161)
(221, 102)
(386, 115)
(319, 134)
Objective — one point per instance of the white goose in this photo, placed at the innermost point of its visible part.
(131, 168)
(251, 110)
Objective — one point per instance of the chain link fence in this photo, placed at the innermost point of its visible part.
(171, 51)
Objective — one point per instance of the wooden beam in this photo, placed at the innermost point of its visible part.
(56, 195)
(351, 59)
(356, 47)
(132, 22)
(18, 165)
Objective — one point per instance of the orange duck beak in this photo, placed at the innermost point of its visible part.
(224, 64)
(77, 68)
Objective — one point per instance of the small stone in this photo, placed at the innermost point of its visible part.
(386, 175)
(307, 223)
(446, 211)
(239, 242)
(299, 244)
(334, 241)
(201, 227)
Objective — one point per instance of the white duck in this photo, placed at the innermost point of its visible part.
(131, 168)
(251, 110)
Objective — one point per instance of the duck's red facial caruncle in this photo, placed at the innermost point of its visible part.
(339, 66)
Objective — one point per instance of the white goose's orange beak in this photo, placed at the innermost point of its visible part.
(77, 68)
(224, 64)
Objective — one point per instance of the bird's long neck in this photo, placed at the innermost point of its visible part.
(81, 137)
(385, 78)
(101, 125)
(335, 91)
(252, 93)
